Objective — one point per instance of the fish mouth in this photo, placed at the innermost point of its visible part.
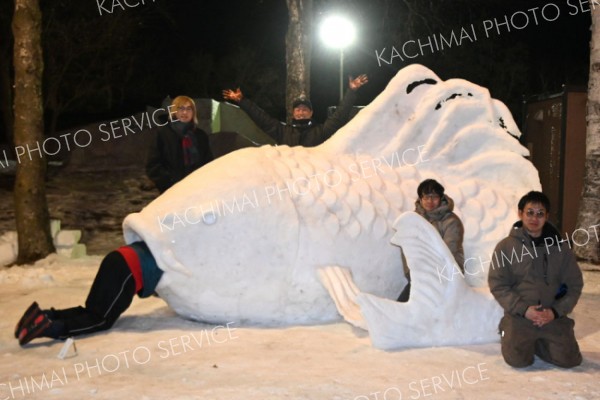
(131, 228)
(134, 229)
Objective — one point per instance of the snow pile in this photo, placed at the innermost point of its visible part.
(8, 248)
(66, 243)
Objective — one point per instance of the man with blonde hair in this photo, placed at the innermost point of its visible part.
(180, 146)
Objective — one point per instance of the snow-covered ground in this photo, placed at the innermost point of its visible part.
(152, 353)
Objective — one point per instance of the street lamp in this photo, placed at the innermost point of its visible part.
(338, 32)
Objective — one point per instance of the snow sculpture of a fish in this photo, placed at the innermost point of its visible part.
(242, 238)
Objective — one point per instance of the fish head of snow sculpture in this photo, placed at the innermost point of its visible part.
(220, 228)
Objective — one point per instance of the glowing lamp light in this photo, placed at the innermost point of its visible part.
(337, 32)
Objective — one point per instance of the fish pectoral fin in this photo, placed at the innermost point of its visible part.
(435, 278)
(338, 282)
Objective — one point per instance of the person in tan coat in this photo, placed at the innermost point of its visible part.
(537, 281)
(438, 208)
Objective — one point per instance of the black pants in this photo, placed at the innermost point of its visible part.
(110, 295)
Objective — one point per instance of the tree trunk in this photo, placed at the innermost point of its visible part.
(5, 74)
(298, 48)
(6, 95)
(31, 209)
(589, 209)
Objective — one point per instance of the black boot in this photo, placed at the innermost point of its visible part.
(26, 318)
(33, 324)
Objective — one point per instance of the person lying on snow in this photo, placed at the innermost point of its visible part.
(124, 272)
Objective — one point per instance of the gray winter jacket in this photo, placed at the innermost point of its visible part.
(524, 273)
(448, 225)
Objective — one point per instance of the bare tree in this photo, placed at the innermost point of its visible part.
(6, 10)
(298, 47)
(31, 208)
(589, 209)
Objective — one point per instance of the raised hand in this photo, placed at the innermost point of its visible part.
(357, 82)
(233, 95)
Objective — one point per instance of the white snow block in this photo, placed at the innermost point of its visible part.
(78, 251)
(54, 227)
(8, 248)
(67, 243)
(64, 251)
(67, 238)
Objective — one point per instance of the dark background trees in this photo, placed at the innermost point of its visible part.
(113, 64)
(104, 66)
(298, 42)
(534, 60)
(6, 76)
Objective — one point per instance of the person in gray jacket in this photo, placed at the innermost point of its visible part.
(438, 208)
(537, 281)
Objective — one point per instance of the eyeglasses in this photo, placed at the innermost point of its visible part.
(430, 197)
(188, 108)
(538, 213)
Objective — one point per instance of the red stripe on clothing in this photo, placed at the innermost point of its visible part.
(133, 262)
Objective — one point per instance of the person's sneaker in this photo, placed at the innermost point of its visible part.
(35, 328)
(30, 313)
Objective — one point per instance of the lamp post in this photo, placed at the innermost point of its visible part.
(338, 32)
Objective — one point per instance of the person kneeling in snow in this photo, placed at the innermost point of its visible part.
(123, 272)
(536, 291)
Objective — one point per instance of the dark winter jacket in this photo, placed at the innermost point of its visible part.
(306, 133)
(527, 272)
(448, 225)
(165, 164)
(143, 267)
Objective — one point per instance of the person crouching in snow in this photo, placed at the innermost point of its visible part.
(124, 272)
(438, 208)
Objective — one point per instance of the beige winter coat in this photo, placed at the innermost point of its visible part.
(448, 225)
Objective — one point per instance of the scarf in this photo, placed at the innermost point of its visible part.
(189, 144)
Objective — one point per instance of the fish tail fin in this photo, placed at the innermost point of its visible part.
(338, 282)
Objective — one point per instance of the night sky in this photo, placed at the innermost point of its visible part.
(199, 48)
